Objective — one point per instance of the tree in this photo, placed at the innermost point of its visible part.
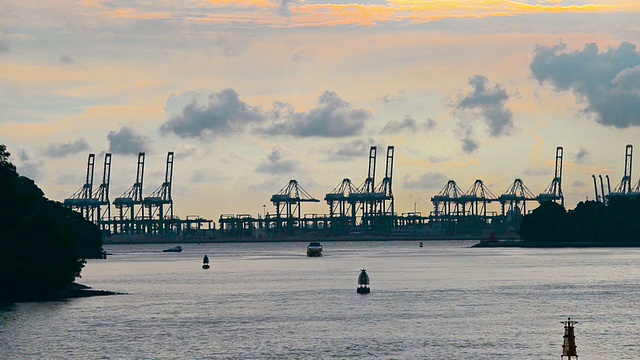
(43, 245)
(546, 224)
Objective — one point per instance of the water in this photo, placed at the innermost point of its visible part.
(269, 301)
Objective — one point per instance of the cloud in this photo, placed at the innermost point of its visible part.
(223, 114)
(606, 81)
(4, 45)
(284, 7)
(333, 117)
(438, 160)
(390, 98)
(488, 103)
(127, 142)
(70, 148)
(429, 180)
(408, 124)
(66, 59)
(469, 145)
(537, 172)
(582, 156)
(226, 48)
(358, 148)
(578, 183)
(28, 167)
(303, 56)
(275, 164)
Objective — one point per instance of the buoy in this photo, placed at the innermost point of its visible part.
(420, 243)
(569, 344)
(205, 262)
(363, 283)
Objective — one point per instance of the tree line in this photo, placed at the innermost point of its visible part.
(591, 223)
(43, 244)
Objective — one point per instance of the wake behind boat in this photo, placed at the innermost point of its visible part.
(314, 249)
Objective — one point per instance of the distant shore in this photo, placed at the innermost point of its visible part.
(142, 239)
(528, 244)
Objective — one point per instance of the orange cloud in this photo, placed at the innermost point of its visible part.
(263, 12)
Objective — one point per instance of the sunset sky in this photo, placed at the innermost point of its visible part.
(252, 93)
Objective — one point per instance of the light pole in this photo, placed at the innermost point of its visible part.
(264, 211)
(415, 207)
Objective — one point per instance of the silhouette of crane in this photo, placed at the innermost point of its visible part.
(130, 219)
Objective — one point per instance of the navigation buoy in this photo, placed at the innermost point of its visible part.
(420, 243)
(569, 344)
(205, 262)
(363, 283)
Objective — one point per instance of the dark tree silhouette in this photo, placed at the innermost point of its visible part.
(43, 245)
(589, 224)
(545, 224)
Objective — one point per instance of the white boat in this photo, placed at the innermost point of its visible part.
(314, 249)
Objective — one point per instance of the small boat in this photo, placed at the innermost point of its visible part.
(314, 249)
(363, 283)
(205, 262)
(173, 249)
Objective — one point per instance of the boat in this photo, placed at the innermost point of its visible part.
(314, 249)
(173, 249)
(205, 262)
(363, 283)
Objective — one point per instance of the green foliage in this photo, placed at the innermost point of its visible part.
(42, 244)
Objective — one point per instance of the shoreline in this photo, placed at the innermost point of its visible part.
(542, 245)
(163, 240)
(71, 291)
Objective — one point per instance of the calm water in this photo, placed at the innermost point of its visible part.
(269, 301)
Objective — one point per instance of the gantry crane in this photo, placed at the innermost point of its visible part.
(155, 203)
(82, 200)
(130, 219)
(287, 202)
(342, 208)
(624, 187)
(365, 198)
(553, 192)
(475, 200)
(514, 201)
(102, 194)
(384, 190)
(448, 201)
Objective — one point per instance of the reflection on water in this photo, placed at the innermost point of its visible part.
(270, 301)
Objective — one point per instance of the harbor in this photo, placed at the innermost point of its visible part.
(443, 301)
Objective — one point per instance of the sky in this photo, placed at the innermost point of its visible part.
(250, 94)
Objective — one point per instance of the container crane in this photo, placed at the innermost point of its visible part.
(82, 200)
(553, 192)
(156, 201)
(364, 198)
(447, 202)
(514, 201)
(477, 198)
(130, 219)
(384, 190)
(287, 202)
(624, 186)
(342, 209)
(102, 194)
